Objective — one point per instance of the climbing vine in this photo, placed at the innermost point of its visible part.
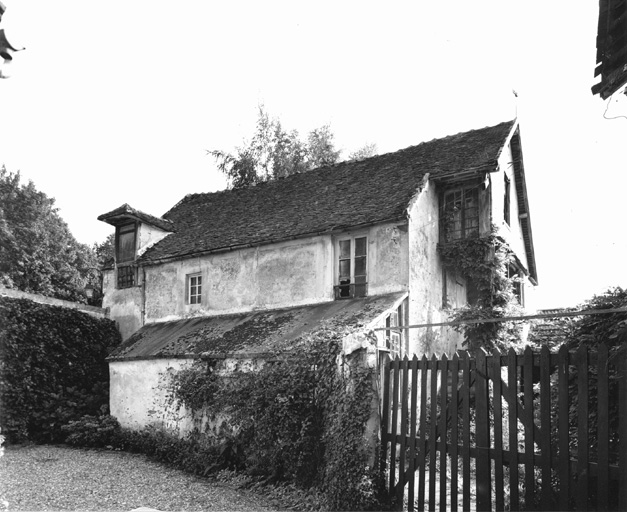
(484, 262)
(299, 418)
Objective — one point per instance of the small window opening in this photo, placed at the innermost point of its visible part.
(126, 276)
(194, 290)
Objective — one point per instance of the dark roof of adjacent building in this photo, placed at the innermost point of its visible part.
(345, 195)
(611, 47)
(256, 333)
(126, 213)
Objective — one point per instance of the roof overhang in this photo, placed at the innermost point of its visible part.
(126, 214)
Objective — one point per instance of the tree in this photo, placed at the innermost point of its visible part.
(276, 153)
(38, 253)
(366, 151)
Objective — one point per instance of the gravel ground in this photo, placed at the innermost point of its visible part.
(63, 478)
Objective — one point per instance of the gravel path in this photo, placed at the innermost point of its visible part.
(63, 478)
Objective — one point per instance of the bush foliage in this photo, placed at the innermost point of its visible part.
(52, 368)
(299, 419)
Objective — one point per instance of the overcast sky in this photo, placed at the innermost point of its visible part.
(117, 102)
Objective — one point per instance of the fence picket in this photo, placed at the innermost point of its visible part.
(545, 427)
(466, 432)
(433, 447)
(443, 416)
(528, 422)
(483, 433)
(563, 440)
(603, 423)
(622, 433)
(582, 428)
(400, 486)
(394, 366)
(423, 433)
(413, 420)
(454, 431)
(495, 374)
(512, 400)
(385, 414)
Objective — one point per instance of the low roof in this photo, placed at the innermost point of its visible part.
(248, 334)
(345, 195)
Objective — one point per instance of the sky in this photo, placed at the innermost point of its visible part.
(118, 102)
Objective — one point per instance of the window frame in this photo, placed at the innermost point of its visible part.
(470, 191)
(192, 284)
(126, 276)
(357, 285)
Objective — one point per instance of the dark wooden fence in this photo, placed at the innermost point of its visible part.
(533, 431)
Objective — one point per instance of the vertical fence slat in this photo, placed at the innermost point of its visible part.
(400, 486)
(413, 419)
(443, 416)
(603, 429)
(563, 435)
(423, 433)
(622, 433)
(528, 421)
(466, 432)
(545, 427)
(512, 381)
(454, 432)
(433, 432)
(484, 477)
(385, 416)
(495, 373)
(394, 366)
(582, 428)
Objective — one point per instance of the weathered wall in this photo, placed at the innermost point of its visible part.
(425, 271)
(280, 275)
(125, 306)
(138, 394)
(148, 236)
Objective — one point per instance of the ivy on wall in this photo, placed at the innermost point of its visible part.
(52, 368)
(300, 418)
(484, 263)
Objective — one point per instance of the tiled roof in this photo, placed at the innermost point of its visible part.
(344, 195)
(125, 212)
(246, 334)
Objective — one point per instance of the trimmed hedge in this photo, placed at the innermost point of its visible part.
(52, 368)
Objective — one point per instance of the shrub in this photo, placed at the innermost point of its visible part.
(92, 431)
(52, 368)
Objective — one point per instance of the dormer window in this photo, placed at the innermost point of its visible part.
(125, 243)
(125, 250)
(461, 214)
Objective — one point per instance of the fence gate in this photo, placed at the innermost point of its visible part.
(532, 431)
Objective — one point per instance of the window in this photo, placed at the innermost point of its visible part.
(126, 276)
(194, 289)
(461, 214)
(352, 268)
(396, 339)
(506, 205)
(125, 243)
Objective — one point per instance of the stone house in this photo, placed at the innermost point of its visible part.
(237, 273)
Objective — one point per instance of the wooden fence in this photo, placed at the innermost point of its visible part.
(533, 431)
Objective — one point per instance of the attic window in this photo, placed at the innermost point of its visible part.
(461, 213)
(125, 242)
(352, 268)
